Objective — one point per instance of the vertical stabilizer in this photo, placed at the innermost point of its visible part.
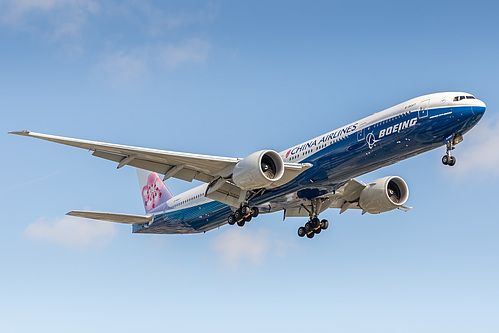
(154, 192)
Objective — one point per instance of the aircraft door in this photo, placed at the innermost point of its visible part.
(423, 109)
(361, 134)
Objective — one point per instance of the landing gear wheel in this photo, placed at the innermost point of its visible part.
(247, 218)
(245, 210)
(255, 211)
(445, 160)
(241, 223)
(318, 231)
(238, 215)
(316, 223)
(310, 235)
(231, 219)
(301, 231)
(324, 224)
(452, 161)
(308, 227)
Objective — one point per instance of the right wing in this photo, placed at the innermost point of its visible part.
(185, 166)
(215, 170)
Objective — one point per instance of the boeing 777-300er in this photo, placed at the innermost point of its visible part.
(302, 181)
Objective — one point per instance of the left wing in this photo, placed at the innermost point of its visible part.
(346, 197)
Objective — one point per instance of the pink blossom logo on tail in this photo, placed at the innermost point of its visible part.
(151, 193)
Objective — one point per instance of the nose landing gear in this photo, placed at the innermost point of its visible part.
(448, 160)
(450, 144)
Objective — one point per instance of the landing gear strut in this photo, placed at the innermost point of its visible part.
(243, 215)
(448, 159)
(314, 225)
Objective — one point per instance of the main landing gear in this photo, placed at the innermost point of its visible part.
(448, 159)
(314, 225)
(243, 215)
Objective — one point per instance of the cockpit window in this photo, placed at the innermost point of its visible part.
(458, 98)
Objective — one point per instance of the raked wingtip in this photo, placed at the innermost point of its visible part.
(25, 133)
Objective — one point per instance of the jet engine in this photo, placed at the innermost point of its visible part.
(258, 170)
(383, 195)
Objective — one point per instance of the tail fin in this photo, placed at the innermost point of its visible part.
(155, 194)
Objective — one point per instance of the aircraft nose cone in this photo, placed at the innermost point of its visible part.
(479, 107)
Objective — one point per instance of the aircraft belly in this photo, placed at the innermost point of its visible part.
(191, 220)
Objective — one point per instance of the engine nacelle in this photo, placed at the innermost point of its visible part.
(383, 195)
(258, 170)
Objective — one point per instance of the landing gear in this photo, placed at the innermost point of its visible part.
(448, 159)
(324, 224)
(314, 225)
(238, 215)
(243, 215)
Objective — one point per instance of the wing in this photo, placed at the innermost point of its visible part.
(179, 165)
(348, 196)
(183, 166)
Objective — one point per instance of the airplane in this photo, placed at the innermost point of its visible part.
(301, 181)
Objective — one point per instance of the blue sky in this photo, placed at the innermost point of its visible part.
(230, 78)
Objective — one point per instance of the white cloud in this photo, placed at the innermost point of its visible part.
(122, 68)
(239, 246)
(126, 67)
(481, 154)
(65, 17)
(236, 245)
(72, 232)
(15, 9)
(157, 21)
(192, 51)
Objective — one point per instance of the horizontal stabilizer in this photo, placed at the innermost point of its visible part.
(112, 217)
